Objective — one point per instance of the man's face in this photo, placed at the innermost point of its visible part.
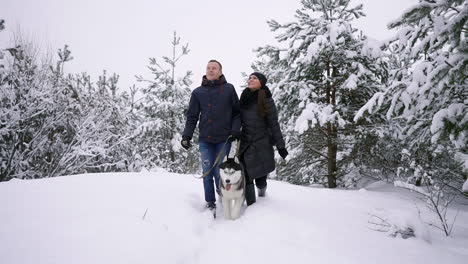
(213, 71)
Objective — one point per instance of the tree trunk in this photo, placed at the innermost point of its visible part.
(332, 151)
(331, 132)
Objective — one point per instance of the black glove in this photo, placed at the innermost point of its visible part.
(185, 142)
(235, 136)
(283, 153)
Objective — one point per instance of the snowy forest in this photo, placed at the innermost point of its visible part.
(352, 109)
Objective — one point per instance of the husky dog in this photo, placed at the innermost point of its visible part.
(232, 186)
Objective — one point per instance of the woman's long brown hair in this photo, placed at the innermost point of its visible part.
(261, 103)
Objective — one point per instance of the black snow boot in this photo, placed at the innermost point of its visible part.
(262, 192)
(211, 205)
(250, 197)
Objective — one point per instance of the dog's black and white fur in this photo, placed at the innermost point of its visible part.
(232, 186)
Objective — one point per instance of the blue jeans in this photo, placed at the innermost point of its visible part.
(209, 152)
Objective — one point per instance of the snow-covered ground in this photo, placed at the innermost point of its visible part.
(98, 218)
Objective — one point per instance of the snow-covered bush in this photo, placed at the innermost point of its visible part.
(52, 124)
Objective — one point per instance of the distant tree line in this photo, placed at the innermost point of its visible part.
(53, 124)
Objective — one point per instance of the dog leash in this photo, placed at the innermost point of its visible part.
(237, 149)
(216, 160)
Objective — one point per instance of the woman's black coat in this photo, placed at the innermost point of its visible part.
(259, 134)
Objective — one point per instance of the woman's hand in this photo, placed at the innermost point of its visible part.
(283, 153)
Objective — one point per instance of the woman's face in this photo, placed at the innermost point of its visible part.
(253, 83)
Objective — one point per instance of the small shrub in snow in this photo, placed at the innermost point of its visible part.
(399, 224)
(380, 224)
(436, 200)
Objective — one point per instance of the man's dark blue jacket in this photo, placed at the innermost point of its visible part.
(216, 104)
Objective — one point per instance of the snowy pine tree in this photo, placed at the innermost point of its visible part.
(320, 80)
(425, 104)
(161, 116)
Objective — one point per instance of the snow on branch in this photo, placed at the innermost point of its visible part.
(449, 115)
(317, 114)
(377, 99)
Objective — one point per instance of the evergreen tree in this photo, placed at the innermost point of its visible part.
(161, 115)
(425, 104)
(326, 73)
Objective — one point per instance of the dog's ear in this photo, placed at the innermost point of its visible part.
(225, 158)
(236, 159)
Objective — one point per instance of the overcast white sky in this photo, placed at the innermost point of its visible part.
(120, 36)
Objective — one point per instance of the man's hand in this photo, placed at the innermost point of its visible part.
(235, 136)
(185, 142)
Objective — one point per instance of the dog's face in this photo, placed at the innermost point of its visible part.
(230, 172)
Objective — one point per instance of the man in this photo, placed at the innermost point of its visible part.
(216, 104)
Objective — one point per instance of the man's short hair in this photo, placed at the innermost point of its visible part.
(220, 66)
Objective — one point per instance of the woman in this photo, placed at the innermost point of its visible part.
(260, 131)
